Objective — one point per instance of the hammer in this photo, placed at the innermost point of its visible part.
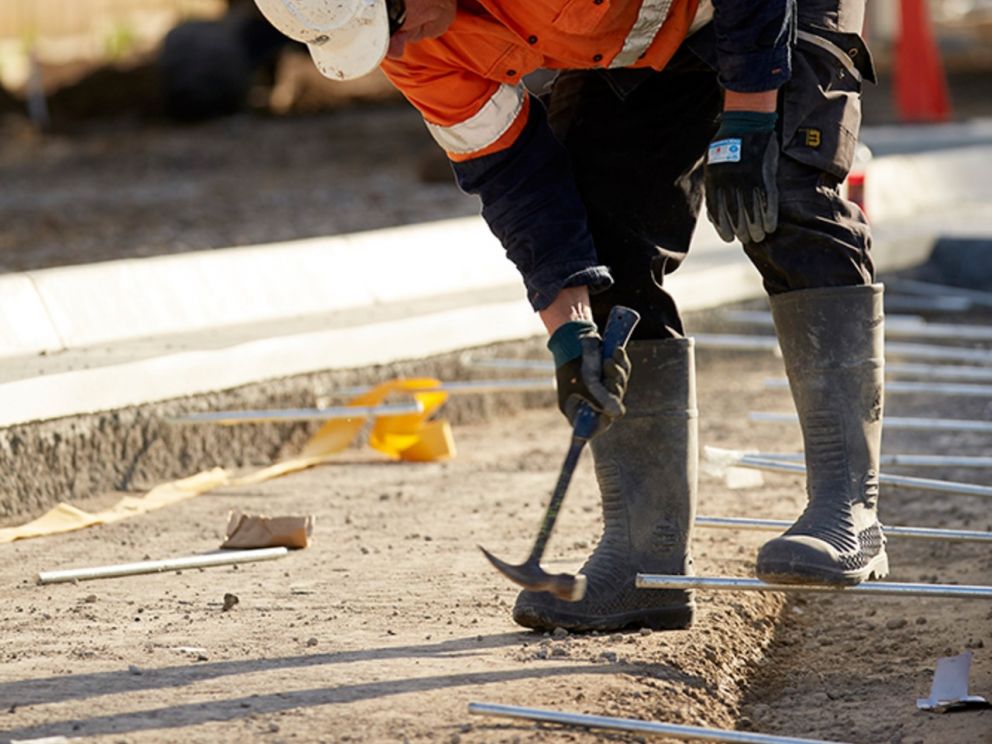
(529, 574)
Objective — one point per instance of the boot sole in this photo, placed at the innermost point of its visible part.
(669, 618)
(797, 572)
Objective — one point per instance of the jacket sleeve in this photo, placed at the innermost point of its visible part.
(754, 42)
(531, 203)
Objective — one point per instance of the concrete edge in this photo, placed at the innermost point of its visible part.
(77, 307)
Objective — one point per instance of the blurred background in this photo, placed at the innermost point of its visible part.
(145, 127)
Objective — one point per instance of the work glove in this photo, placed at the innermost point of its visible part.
(741, 166)
(582, 374)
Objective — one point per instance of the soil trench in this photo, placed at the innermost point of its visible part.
(392, 621)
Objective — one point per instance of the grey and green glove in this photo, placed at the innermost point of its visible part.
(741, 168)
(582, 374)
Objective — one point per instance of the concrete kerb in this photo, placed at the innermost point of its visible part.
(400, 299)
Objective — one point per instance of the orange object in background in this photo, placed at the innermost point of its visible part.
(920, 83)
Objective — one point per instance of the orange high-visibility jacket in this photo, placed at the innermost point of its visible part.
(467, 83)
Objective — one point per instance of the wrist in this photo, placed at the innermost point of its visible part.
(572, 303)
(766, 101)
(565, 343)
(737, 123)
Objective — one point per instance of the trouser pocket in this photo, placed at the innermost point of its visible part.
(821, 104)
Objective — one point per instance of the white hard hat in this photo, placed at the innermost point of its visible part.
(346, 38)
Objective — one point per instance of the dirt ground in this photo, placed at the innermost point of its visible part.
(391, 622)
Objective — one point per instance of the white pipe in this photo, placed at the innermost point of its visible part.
(892, 423)
(677, 730)
(223, 558)
(733, 583)
(230, 418)
(776, 525)
(901, 387)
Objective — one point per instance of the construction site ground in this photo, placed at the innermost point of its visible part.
(391, 622)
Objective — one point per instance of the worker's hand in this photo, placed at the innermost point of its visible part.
(582, 375)
(741, 165)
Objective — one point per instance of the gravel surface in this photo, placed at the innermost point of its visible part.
(392, 621)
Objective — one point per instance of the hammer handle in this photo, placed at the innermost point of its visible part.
(619, 326)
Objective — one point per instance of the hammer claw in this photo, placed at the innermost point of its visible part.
(532, 577)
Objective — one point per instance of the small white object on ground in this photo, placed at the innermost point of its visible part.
(949, 690)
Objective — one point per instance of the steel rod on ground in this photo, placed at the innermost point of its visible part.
(677, 730)
(734, 583)
(525, 364)
(891, 422)
(939, 352)
(463, 387)
(905, 481)
(900, 387)
(744, 342)
(919, 461)
(927, 289)
(896, 326)
(945, 372)
(923, 304)
(230, 418)
(776, 525)
(168, 564)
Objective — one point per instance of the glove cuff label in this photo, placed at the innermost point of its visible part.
(724, 151)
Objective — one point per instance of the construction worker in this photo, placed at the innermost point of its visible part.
(594, 189)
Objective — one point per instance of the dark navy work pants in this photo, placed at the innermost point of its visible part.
(637, 141)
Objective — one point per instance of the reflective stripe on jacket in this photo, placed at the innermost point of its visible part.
(467, 83)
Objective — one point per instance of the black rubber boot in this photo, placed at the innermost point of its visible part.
(832, 343)
(646, 465)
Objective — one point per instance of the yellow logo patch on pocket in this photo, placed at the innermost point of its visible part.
(811, 137)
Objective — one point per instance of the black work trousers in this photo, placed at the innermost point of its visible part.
(637, 141)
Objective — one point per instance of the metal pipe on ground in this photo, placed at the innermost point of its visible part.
(927, 289)
(231, 418)
(464, 387)
(891, 423)
(880, 588)
(745, 342)
(224, 558)
(677, 730)
(922, 304)
(776, 525)
(900, 387)
(940, 372)
(896, 326)
(731, 458)
(918, 461)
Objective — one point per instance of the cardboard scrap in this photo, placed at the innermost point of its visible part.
(260, 531)
(949, 690)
